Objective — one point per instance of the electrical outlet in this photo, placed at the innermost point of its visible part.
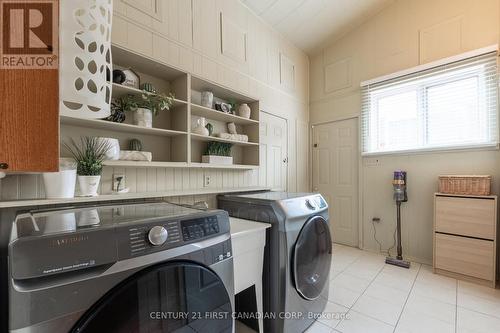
(371, 162)
(207, 180)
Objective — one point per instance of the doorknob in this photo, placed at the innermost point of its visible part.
(4, 166)
(285, 160)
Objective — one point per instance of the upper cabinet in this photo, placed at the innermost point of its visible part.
(29, 125)
(29, 92)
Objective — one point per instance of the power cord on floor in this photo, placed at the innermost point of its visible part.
(388, 251)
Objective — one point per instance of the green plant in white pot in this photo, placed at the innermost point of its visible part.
(146, 106)
(218, 153)
(89, 155)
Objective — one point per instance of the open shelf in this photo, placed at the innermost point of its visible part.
(198, 137)
(219, 91)
(155, 164)
(142, 164)
(144, 64)
(220, 166)
(121, 90)
(202, 111)
(119, 127)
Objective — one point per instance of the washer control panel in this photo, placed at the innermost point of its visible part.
(199, 228)
(143, 239)
(159, 235)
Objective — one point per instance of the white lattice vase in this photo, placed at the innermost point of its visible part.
(85, 57)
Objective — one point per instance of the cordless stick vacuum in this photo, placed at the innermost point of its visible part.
(399, 185)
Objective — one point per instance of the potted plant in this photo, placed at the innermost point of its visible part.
(218, 153)
(89, 154)
(145, 106)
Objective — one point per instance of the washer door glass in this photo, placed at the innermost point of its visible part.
(172, 297)
(312, 258)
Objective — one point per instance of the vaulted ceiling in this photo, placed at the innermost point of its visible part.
(309, 23)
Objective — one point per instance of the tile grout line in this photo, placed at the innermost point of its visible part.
(407, 297)
(342, 271)
(362, 293)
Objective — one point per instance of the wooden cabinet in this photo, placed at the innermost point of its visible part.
(29, 97)
(465, 237)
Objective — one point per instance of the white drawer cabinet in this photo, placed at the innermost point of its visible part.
(465, 237)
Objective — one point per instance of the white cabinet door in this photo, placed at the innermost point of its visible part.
(335, 176)
(205, 24)
(176, 21)
(273, 152)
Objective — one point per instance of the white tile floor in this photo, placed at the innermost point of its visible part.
(375, 297)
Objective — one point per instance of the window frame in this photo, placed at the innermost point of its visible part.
(370, 127)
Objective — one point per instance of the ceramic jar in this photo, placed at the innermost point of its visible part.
(244, 111)
(207, 99)
(114, 148)
(61, 184)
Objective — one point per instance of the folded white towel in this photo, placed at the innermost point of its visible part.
(235, 137)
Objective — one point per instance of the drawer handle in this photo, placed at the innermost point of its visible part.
(4, 166)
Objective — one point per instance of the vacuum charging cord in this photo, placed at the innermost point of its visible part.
(388, 251)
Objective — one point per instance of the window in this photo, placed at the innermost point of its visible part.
(447, 106)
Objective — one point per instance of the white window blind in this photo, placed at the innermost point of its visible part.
(444, 107)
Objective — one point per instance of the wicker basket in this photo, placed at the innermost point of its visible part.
(471, 185)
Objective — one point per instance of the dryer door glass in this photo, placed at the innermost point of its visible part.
(180, 297)
(312, 258)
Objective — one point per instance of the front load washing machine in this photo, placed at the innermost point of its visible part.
(144, 267)
(297, 255)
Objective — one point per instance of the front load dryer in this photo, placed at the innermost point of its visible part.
(297, 256)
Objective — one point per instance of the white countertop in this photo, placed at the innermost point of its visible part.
(241, 227)
(139, 195)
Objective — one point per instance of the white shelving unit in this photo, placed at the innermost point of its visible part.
(171, 140)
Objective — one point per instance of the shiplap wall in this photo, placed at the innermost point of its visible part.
(14, 187)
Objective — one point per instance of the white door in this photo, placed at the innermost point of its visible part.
(273, 152)
(335, 176)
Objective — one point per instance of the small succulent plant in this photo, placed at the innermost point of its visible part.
(135, 144)
(89, 154)
(218, 148)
